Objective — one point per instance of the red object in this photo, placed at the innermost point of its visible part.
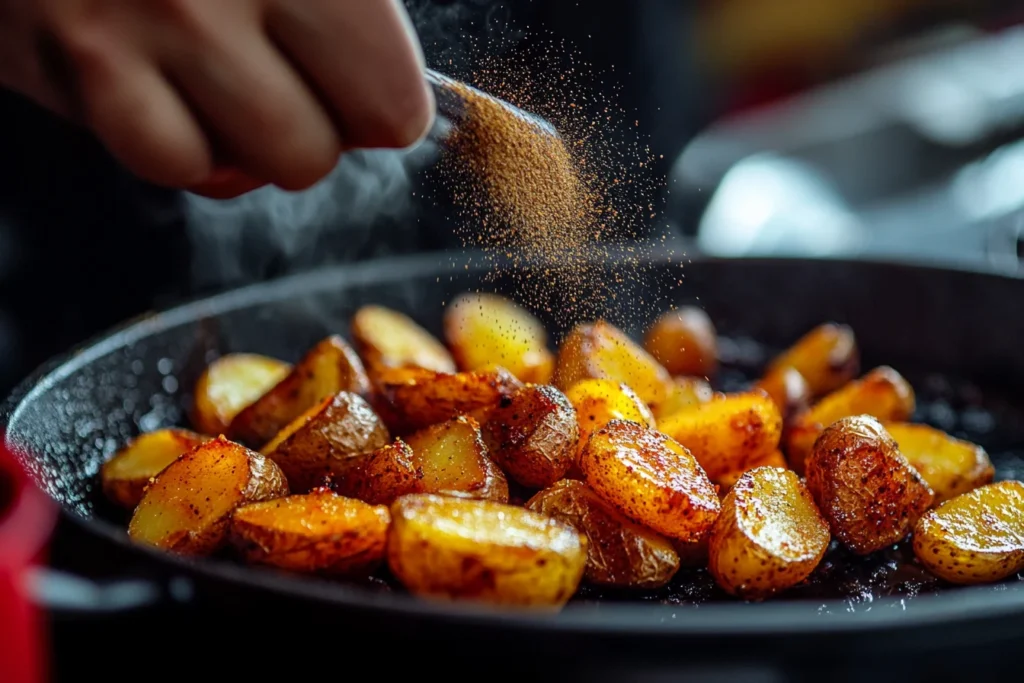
(226, 183)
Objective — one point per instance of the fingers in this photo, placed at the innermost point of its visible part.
(226, 183)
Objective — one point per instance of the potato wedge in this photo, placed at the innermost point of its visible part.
(125, 476)
(187, 509)
(313, 532)
(602, 351)
(949, 465)
(599, 401)
(866, 490)
(729, 433)
(620, 552)
(456, 549)
(977, 537)
(651, 479)
(788, 389)
(388, 339)
(684, 341)
(769, 536)
(827, 357)
(686, 393)
(454, 461)
(229, 385)
(533, 434)
(774, 459)
(329, 367)
(485, 329)
(384, 475)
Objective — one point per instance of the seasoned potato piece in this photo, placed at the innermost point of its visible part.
(125, 476)
(389, 339)
(452, 548)
(788, 389)
(827, 357)
(868, 493)
(619, 552)
(533, 435)
(950, 466)
(331, 366)
(229, 385)
(484, 329)
(684, 341)
(977, 537)
(599, 401)
(314, 532)
(729, 433)
(384, 475)
(602, 351)
(453, 459)
(651, 479)
(774, 459)
(769, 536)
(687, 392)
(188, 508)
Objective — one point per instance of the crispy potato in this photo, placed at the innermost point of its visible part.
(532, 435)
(327, 441)
(788, 389)
(485, 329)
(599, 401)
(313, 532)
(977, 537)
(686, 393)
(619, 552)
(651, 479)
(774, 459)
(384, 475)
(454, 461)
(389, 339)
(950, 466)
(868, 493)
(729, 433)
(331, 366)
(602, 351)
(769, 536)
(188, 507)
(684, 341)
(229, 385)
(125, 476)
(450, 548)
(882, 393)
(827, 357)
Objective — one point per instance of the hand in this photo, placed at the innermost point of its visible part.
(178, 89)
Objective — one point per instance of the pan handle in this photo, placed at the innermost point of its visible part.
(62, 594)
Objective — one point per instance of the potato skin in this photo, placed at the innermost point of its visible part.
(827, 357)
(950, 466)
(384, 475)
(447, 548)
(769, 536)
(977, 537)
(687, 393)
(599, 401)
(774, 459)
(387, 339)
(684, 341)
(866, 490)
(124, 477)
(454, 461)
(620, 553)
(229, 385)
(788, 389)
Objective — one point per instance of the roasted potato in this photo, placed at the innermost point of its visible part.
(313, 532)
(229, 385)
(693, 554)
(866, 490)
(729, 433)
(187, 509)
(384, 475)
(620, 552)
(769, 536)
(774, 459)
(651, 479)
(388, 339)
(532, 435)
(488, 329)
(454, 461)
(686, 393)
(602, 351)
(331, 366)
(452, 548)
(950, 466)
(599, 401)
(125, 476)
(684, 341)
(788, 389)
(977, 537)
(827, 357)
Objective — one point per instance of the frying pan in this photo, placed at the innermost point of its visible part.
(75, 411)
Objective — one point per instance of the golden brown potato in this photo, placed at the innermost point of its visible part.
(389, 339)
(684, 341)
(866, 490)
(620, 553)
(774, 459)
(453, 459)
(687, 392)
(125, 476)
(447, 548)
(950, 466)
(788, 389)
(769, 536)
(532, 435)
(827, 357)
(599, 401)
(977, 537)
(188, 507)
(882, 393)
(331, 366)
(229, 385)
(729, 433)
(313, 532)
(384, 475)
(488, 329)
(602, 351)
(651, 479)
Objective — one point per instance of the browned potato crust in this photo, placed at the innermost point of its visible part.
(229, 385)
(651, 479)
(384, 475)
(866, 490)
(950, 466)
(769, 536)
(125, 476)
(314, 532)
(619, 552)
(684, 341)
(188, 507)
(774, 459)
(687, 393)
(454, 461)
(788, 389)
(827, 357)
(977, 537)
(388, 339)
(599, 401)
